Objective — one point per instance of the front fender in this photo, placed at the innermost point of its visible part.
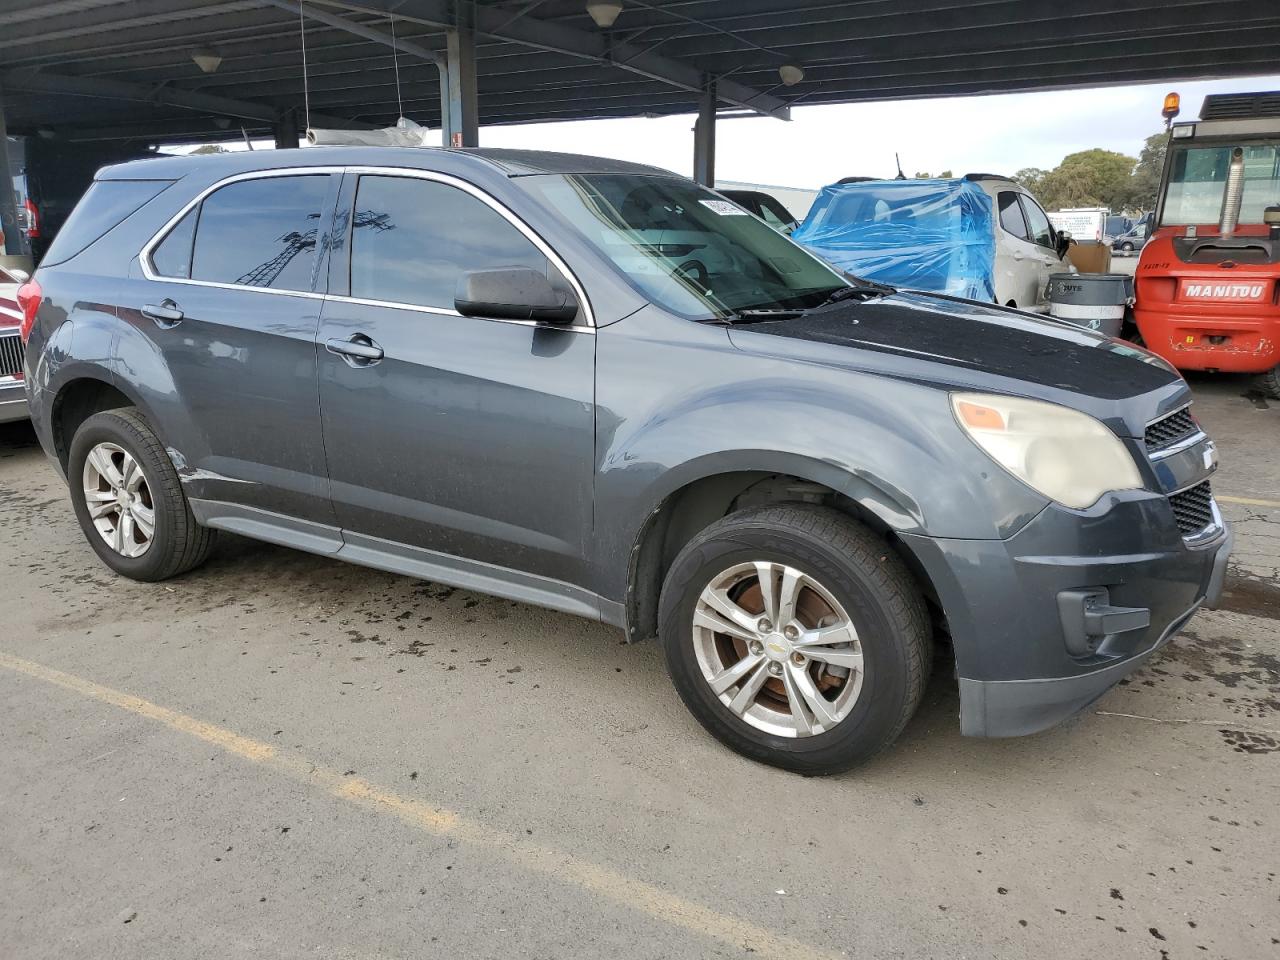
(890, 444)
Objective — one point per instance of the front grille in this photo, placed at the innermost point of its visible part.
(1193, 508)
(1167, 431)
(12, 353)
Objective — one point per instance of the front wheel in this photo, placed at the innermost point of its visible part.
(1269, 382)
(796, 636)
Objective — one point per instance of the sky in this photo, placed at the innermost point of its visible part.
(992, 134)
(819, 145)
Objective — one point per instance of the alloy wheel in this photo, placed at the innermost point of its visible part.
(119, 500)
(778, 649)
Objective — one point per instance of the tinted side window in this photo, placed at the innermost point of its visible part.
(412, 238)
(260, 233)
(172, 256)
(1038, 222)
(106, 204)
(1011, 214)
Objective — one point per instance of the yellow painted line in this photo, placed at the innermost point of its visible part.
(608, 884)
(1247, 501)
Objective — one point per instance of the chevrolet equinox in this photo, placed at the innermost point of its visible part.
(602, 388)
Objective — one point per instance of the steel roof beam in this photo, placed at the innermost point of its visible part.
(312, 12)
(545, 35)
(96, 87)
(138, 13)
(974, 29)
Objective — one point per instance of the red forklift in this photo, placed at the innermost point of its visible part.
(1208, 284)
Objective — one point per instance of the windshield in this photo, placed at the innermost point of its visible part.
(685, 248)
(1198, 178)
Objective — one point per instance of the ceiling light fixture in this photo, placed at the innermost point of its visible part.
(604, 12)
(207, 59)
(791, 73)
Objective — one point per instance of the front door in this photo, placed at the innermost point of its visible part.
(1018, 267)
(229, 301)
(1046, 249)
(460, 435)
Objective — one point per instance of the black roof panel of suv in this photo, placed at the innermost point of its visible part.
(512, 162)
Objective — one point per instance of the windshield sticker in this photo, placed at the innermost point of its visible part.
(724, 208)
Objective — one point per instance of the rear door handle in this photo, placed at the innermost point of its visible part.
(358, 350)
(166, 314)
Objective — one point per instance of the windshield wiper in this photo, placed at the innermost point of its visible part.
(756, 315)
(865, 289)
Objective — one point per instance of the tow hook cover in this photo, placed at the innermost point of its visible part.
(1088, 618)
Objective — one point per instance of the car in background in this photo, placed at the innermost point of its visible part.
(1117, 225)
(1131, 242)
(766, 207)
(981, 236)
(13, 397)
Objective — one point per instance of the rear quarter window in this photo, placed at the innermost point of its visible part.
(105, 205)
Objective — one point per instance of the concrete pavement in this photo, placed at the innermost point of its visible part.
(281, 755)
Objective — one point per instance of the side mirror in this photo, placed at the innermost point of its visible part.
(513, 293)
(19, 276)
(1064, 243)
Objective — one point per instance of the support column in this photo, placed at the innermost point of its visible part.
(704, 137)
(285, 130)
(15, 243)
(460, 124)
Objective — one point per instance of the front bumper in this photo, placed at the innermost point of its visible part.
(1046, 622)
(13, 399)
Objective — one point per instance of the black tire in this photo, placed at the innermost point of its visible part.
(178, 543)
(1127, 248)
(863, 574)
(1269, 383)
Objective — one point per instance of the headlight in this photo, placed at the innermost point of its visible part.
(1064, 454)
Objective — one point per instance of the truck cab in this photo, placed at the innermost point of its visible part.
(1209, 279)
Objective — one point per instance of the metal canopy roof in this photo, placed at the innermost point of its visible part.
(123, 69)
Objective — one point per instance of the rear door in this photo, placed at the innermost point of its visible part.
(460, 435)
(230, 302)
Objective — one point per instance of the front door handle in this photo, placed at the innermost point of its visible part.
(358, 350)
(166, 313)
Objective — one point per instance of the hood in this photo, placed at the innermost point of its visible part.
(960, 343)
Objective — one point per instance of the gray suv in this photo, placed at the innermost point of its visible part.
(601, 388)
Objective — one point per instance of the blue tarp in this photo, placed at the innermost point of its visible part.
(934, 235)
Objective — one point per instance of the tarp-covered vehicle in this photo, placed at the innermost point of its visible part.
(981, 236)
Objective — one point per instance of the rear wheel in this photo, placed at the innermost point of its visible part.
(1269, 382)
(796, 637)
(129, 501)
(1126, 248)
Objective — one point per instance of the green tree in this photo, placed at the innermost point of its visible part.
(1032, 178)
(1089, 178)
(1144, 185)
